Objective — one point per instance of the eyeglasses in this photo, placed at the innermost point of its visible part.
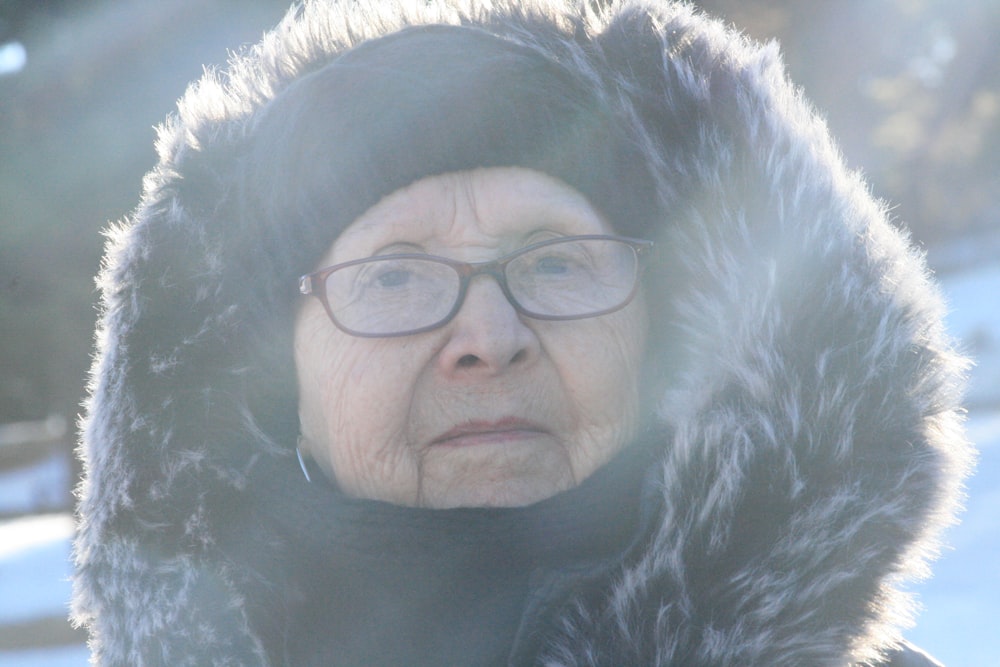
(568, 278)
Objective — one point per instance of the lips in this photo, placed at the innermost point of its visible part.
(476, 432)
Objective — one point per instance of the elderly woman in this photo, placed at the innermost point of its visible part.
(510, 335)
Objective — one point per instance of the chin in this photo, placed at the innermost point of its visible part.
(510, 475)
(507, 493)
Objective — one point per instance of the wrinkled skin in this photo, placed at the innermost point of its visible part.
(492, 409)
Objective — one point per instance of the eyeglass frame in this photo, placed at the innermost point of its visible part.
(496, 268)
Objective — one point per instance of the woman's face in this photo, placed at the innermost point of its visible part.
(491, 409)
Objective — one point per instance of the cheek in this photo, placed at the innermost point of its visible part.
(599, 363)
(354, 401)
(323, 370)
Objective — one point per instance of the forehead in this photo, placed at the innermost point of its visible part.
(481, 206)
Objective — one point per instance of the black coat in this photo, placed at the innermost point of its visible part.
(802, 445)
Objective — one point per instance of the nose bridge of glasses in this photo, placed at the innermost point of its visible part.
(494, 269)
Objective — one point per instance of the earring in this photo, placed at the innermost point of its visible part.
(302, 463)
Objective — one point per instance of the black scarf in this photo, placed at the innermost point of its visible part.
(342, 581)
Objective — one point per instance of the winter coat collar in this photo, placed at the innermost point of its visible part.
(364, 582)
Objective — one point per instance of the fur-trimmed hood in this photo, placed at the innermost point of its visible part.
(806, 393)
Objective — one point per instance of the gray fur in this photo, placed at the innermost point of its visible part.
(807, 396)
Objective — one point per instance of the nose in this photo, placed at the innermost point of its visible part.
(487, 336)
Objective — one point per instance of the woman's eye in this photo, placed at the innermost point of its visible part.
(392, 278)
(552, 264)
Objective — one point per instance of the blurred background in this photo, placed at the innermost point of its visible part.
(911, 88)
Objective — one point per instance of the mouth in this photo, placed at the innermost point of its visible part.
(482, 432)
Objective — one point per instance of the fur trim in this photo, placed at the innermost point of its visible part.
(807, 394)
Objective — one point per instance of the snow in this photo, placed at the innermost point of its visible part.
(38, 487)
(35, 567)
(961, 602)
(61, 656)
(974, 318)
